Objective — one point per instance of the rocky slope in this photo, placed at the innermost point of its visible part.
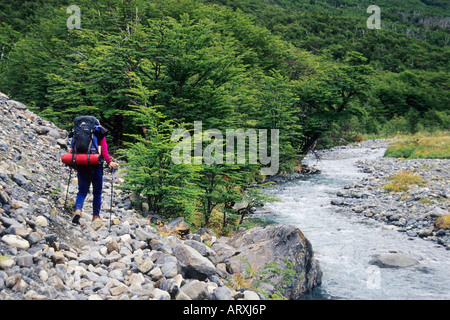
(43, 256)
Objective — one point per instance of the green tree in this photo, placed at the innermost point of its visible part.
(326, 96)
(278, 110)
(168, 188)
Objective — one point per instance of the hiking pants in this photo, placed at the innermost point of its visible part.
(86, 177)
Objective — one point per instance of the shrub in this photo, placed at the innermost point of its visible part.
(443, 222)
(402, 181)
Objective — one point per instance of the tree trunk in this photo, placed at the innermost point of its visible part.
(117, 130)
(311, 143)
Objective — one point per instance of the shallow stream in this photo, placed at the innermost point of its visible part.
(345, 242)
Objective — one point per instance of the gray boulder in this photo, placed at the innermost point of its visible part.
(197, 266)
(221, 293)
(204, 250)
(196, 290)
(269, 249)
(19, 179)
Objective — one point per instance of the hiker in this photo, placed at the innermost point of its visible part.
(91, 174)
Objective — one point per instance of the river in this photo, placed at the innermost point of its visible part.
(344, 242)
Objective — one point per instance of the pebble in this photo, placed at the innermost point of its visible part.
(16, 241)
(251, 295)
(41, 221)
(43, 275)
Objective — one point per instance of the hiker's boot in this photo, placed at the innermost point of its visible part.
(76, 216)
(96, 223)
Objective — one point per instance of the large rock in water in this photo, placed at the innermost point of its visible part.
(279, 254)
(393, 260)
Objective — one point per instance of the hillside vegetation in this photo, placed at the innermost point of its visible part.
(310, 69)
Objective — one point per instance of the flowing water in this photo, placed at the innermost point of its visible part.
(344, 243)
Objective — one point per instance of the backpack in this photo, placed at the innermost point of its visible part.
(84, 139)
(86, 135)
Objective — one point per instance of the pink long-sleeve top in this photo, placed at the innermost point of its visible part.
(104, 150)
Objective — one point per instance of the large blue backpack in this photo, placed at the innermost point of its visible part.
(85, 135)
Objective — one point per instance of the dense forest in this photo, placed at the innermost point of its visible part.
(312, 69)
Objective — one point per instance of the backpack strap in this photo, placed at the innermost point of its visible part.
(95, 144)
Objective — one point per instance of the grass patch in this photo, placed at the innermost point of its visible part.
(421, 146)
(401, 182)
(443, 222)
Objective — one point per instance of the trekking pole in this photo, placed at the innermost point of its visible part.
(67, 191)
(112, 188)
